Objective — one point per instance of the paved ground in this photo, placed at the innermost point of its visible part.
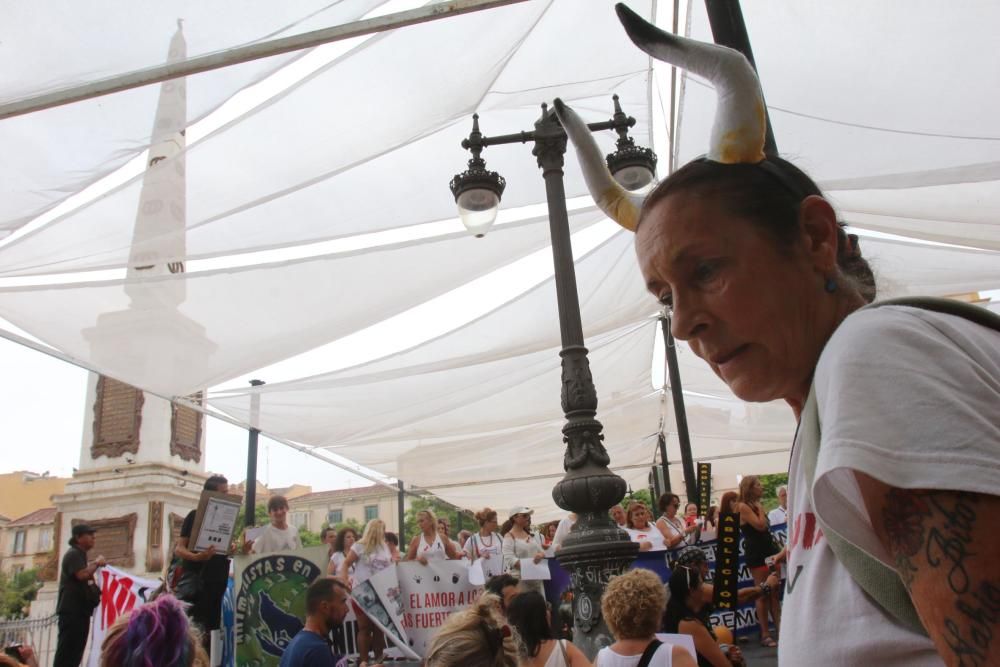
(758, 656)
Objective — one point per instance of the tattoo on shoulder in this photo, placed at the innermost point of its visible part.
(933, 531)
(904, 516)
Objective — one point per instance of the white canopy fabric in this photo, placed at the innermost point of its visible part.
(355, 143)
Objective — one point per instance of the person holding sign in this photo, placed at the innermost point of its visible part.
(206, 572)
(368, 556)
(428, 544)
(277, 535)
(485, 545)
(520, 543)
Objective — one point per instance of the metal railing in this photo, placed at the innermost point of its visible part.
(38, 633)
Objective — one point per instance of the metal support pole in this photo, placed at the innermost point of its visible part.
(677, 393)
(250, 513)
(401, 509)
(729, 29)
(596, 548)
(663, 461)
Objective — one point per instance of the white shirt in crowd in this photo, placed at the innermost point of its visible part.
(776, 516)
(477, 546)
(562, 532)
(909, 397)
(271, 539)
(368, 565)
(663, 657)
(432, 551)
(649, 534)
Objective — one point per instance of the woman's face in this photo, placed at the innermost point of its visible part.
(746, 307)
(618, 514)
(672, 507)
(522, 520)
(640, 517)
(550, 530)
(490, 526)
(424, 521)
(349, 539)
(443, 527)
(690, 510)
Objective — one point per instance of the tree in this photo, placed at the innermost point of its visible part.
(771, 483)
(308, 538)
(441, 509)
(261, 518)
(16, 593)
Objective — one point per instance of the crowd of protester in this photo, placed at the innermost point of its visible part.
(512, 622)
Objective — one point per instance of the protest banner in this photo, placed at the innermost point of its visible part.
(704, 488)
(271, 602)
(121, 592)
(430, 593)
(727, 565)
(382, 602)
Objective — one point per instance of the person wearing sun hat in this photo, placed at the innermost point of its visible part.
(520, 543)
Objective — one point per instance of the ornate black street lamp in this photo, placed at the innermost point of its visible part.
(596, 548)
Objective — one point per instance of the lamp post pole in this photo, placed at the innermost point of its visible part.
(250, 512)
(596, 549)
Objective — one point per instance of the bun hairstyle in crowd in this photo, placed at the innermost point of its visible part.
(475, 637)
(633, 604)
(484, 515)
(157, 634)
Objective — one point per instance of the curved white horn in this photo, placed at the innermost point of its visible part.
(740, 118)
(618, 203)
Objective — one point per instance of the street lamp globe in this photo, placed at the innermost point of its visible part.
(478, 208)
(634, 177)
(477, 191)
(633, 167)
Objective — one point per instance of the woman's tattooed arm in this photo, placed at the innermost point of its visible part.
(946, 547)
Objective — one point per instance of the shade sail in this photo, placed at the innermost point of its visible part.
(55, 153)
(234, 321)
(900, 132)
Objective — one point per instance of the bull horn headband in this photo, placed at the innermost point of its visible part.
(740, 118)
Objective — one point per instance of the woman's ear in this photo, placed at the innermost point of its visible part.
(818, 228)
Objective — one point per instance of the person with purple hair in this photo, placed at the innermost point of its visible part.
(157, 634)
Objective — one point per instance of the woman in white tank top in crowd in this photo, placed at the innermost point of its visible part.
(428, 545)
(486, 544)
(633, 605)
(529, 614)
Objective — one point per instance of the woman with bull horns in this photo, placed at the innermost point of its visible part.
(893, 484)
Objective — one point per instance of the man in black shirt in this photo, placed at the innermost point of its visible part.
(206, 573)
(78, 595)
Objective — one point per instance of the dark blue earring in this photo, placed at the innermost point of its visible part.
(831, 285)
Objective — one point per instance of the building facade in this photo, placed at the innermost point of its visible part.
(26, 542)
(329, 508)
